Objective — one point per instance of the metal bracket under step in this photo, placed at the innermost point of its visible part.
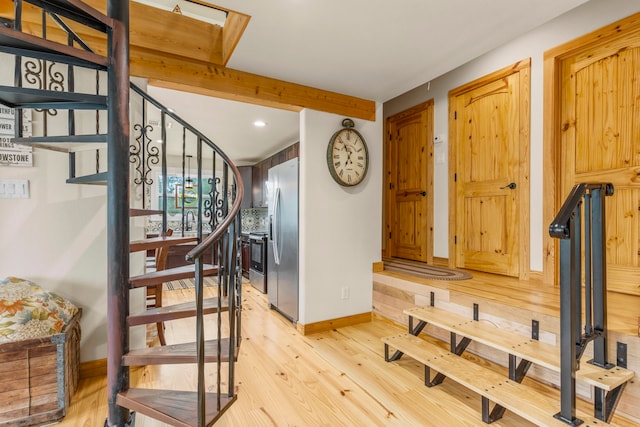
(605, 403)
(95, 179)
(494, 415)
(413, 331)
(131, 423)
(455, 348)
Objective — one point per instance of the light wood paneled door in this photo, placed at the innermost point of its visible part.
(600, 142)
(490, 144)
(409, 184)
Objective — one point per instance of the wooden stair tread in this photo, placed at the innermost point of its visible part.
(159, 242)
(176, 311)
(77, 11)
(158, 277)
(17, 97)
(22, 44)
(174, 407)
(177, 353)
(537, 352)
(144, 212)
(518, 398)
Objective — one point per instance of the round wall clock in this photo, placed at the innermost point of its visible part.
(347, 155)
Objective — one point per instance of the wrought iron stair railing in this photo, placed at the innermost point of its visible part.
(151, 151)
(215, 197)
(580, 227)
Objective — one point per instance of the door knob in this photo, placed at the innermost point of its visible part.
(424, 193)
(511, 186)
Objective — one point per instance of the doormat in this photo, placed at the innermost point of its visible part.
(426, 271)
(188, 284)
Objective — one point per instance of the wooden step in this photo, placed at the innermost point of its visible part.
(159, 242)
(23, 44)
(176, 408)
(22, 97)
(95, 179)
(537, 352)
(144, 212)
(77, 11)
(167, 275)
(177, 311)
(65, 143)
(518, 398)
(177, 354)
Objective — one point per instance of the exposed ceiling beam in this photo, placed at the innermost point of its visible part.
(215, 80)
(178, 52)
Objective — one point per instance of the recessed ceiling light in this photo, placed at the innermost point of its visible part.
(259, 123)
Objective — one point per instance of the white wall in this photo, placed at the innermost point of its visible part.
(57, 239)
(339, 226)
(584, 19)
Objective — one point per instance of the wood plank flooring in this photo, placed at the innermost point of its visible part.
(335, 378)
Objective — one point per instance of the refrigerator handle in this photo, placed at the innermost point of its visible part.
(276, 227)
(270, 227)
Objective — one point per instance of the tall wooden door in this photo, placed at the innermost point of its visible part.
(601, 143)
(490, 144)
(409, 184)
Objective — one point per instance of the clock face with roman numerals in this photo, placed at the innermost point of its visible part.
(347, 156)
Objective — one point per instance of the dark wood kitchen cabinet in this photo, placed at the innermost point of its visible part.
(246, 172)
(260, 173)
(291, 152)
(246, 256)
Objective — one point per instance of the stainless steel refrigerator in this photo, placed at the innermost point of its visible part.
(282, 246)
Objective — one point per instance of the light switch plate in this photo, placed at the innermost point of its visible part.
(14, 189)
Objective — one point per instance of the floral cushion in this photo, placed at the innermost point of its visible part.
(28, 311)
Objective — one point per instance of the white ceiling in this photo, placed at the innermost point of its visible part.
(372, 49)
(229, 124)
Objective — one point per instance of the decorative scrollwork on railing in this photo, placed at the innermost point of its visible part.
(143, 154)
(42, 73)
(214, 205)
(207, 203)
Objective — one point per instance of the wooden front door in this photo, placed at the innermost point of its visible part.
(490, 142)
(600, 142)
(409, 184)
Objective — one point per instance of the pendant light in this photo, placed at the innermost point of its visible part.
(188, 183)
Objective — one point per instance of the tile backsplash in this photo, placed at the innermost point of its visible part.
(254, 219)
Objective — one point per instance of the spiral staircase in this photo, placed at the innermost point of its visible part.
(141, 137)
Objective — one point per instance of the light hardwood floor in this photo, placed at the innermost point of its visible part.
(335, 378)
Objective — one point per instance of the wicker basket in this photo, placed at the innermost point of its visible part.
(38, 377)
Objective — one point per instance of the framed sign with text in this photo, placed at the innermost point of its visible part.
(12, 154)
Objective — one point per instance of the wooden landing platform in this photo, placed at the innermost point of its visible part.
(532, 295)
(511, 304)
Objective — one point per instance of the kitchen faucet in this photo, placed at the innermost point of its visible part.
(186, 219)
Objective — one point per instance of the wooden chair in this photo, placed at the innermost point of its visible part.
(154, 293)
